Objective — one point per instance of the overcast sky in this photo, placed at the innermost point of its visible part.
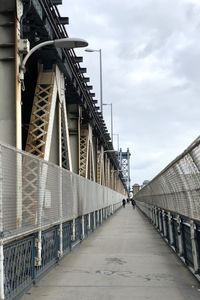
(151, 73)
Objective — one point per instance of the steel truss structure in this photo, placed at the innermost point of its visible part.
(124, 161)
(53, 118)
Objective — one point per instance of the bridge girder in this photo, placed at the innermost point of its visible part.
(55, 107)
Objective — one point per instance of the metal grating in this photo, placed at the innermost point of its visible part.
(50, 246)
(18, 266)
(177, 187)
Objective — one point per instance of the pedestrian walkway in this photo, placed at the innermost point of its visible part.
(124, 259)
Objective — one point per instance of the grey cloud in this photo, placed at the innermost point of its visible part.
(151, 73)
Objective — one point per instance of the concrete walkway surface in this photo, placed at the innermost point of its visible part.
(124, 259)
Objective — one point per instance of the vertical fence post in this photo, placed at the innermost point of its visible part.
(60, 213)
(97, 217)
(160, 220)
(194, 246)
(38, 259)
(179, 232)
(111, 209)
(2, 296)
(89, 221)
(100, 219)
(164, 224)
(156, 217)
(83, 227)
(94, 216)
(73, 230)
(171, 237)
(153, 216)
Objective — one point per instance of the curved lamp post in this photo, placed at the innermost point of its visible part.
(67, 43)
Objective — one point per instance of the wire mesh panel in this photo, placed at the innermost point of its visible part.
(92, 221)
(167, 226)
(96, 218)
(50, 246)
(177, 187)
(198, 242)
(78, 229)
(67, 236)
(86, 224)
(18, 266)
(187, 244)
(38, 194)
(175, 233)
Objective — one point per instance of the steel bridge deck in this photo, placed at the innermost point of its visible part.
(124, 259)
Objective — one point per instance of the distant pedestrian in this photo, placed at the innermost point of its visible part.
(133, 203)
(124, 202)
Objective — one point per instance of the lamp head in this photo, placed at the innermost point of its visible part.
(92, 50)
(70, 43)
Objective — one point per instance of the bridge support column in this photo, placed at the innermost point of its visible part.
(194, 247)
(180, 240)
(171, 238)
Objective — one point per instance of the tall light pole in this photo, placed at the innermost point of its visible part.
(100, 75)
(117, 134)
(67, 43)
(111, 118)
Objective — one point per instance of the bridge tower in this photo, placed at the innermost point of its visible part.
(124, 162)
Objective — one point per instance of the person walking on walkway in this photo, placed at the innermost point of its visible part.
(124, 202)
(133, 203)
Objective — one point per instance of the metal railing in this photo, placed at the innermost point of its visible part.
(172, 202)
(44, 212)
(177, 187)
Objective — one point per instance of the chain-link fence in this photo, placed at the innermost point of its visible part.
(35, 193)
(177, 187)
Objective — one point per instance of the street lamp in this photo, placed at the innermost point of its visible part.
(100, 75)
(111, 119)
(67, 43)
